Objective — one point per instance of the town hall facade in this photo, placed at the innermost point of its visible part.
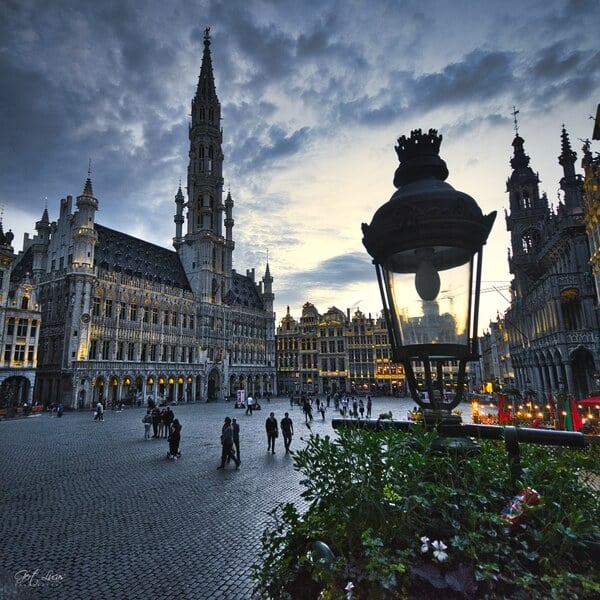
(124, 320)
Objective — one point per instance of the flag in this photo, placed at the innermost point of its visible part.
(503, 410)
(573, 420)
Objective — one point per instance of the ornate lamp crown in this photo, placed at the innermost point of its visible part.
(418, 144)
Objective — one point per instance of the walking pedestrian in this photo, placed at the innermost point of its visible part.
(147, 421)
(99, 416)
(361, 407)
(236, 437)
(369, 407)
(174, 440)
(307, 408)
(249, 405)
(227, 445)
(322, 408)
(272, 432)
(287, 431)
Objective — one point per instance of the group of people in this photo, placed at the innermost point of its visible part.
(351, 407)
(230, 438)
(164, 425)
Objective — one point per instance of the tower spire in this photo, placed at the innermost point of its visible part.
(206, 82)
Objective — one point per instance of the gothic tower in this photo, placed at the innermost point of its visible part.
(82, 273)
(525, 221)
(204, 249)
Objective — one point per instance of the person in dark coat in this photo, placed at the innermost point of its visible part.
(227, 445)
(167, 417)
(175, 439)
(235, 426)
(272, 432)
(287, 431)
(156, 415)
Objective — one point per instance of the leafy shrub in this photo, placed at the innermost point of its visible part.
(406, 522)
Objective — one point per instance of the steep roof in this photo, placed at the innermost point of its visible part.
(122, 253)
(244, 293)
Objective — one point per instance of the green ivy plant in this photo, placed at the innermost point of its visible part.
(403, 521)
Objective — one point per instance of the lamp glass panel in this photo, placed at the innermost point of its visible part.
(431, 311)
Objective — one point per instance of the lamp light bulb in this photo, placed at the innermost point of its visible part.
(427, 279)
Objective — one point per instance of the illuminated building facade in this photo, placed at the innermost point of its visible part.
(19, 331)
(552, 323)
(124, 320)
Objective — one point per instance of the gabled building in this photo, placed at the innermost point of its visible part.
(552, 323)
(125, 320)
(19, 331)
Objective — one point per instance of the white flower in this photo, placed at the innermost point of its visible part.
(425, 546)
(438, 550)
(348, 589)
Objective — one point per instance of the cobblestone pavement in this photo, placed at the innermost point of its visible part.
(92, 511)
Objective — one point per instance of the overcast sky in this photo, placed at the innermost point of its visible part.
(314, 95)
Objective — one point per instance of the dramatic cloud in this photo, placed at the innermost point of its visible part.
(314, 95)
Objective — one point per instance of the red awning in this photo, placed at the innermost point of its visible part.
(594, 401)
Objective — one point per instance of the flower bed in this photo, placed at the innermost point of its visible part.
(404, 522)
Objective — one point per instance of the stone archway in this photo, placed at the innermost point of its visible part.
(214, 386)
(582, 364)
(14, 392)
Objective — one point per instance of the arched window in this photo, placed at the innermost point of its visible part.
(25, 302)
(530, 241)
(210, 159)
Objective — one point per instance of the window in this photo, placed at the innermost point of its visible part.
(144, 352)
(31, 354)
(21, 328)
(153, 353)
(7, 352)
(24, 302)
(133, 312)
(93, 355)
(173, 318)
(120, 348)
(166, 317)
(146, 317)
(10, 329)
(96, 307)
(19, 353)
(106, 349)
(130, 350)
(122, 311)
(154, 316)
(108, 308)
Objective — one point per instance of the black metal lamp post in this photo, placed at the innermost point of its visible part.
(426, 243)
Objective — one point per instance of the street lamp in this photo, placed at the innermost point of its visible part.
(426, 243)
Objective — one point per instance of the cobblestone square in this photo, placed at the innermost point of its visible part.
(91, 510)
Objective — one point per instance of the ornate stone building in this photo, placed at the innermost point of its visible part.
(335, 352)
(591, 187)
(19, 330)
(552, 323)
(124, 319)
